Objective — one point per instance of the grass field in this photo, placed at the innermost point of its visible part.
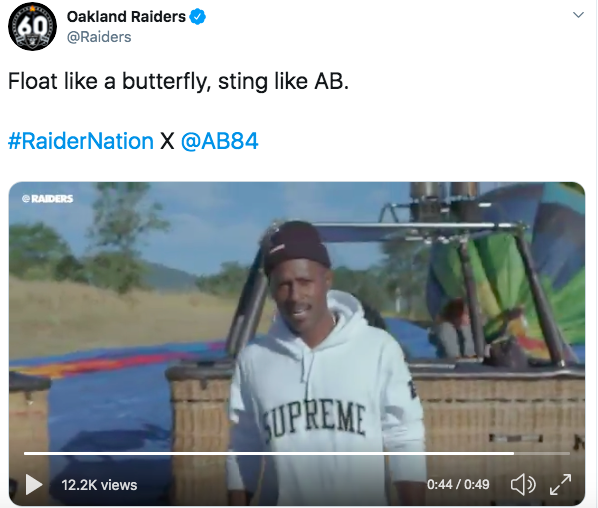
(52, 318)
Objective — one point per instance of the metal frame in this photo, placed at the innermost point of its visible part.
(472, 300)
(254, 294)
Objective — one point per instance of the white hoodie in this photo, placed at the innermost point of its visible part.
(352, 393)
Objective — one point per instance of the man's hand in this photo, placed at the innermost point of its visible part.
(411, 493)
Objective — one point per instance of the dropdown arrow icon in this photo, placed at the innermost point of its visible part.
(578, 15)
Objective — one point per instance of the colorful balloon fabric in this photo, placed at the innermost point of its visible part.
(555, 215)
(93, 361)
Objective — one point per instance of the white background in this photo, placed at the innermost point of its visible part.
(437, 90)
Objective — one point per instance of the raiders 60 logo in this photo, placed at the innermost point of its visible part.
(32, 26)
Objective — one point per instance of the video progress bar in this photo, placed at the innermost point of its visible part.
(542, 453)
(169, 454)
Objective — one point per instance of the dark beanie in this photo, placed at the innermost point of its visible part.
(294, 240)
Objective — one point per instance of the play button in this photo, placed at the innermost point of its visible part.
(31, 484)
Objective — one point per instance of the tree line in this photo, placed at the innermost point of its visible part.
(123, 217)
(402, 273)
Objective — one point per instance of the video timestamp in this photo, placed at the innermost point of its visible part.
(467, 484)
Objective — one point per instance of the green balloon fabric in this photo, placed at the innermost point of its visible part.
(555, 215)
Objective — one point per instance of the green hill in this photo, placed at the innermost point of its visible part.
(164, 278)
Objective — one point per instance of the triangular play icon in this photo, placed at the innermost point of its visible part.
(31, 484)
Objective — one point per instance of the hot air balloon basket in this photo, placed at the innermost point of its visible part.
(199, 401)
(544, 418)
(28, 430)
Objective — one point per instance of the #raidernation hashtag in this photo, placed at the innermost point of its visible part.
(14, 140)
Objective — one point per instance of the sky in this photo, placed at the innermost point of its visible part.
(212, 223)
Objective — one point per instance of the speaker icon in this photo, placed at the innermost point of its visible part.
(531, 484)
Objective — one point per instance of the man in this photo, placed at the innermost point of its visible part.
(322, 380)
(453, 336)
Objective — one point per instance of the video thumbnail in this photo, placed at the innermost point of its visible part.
(441, 320)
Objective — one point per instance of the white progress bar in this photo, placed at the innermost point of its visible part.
(168, 454)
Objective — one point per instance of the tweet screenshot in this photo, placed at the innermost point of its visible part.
(226, 288)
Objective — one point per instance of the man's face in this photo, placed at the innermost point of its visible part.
(299, 288)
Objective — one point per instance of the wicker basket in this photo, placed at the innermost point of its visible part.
(28, 432)
(199, 396)
(462, 413)
(501, 414)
